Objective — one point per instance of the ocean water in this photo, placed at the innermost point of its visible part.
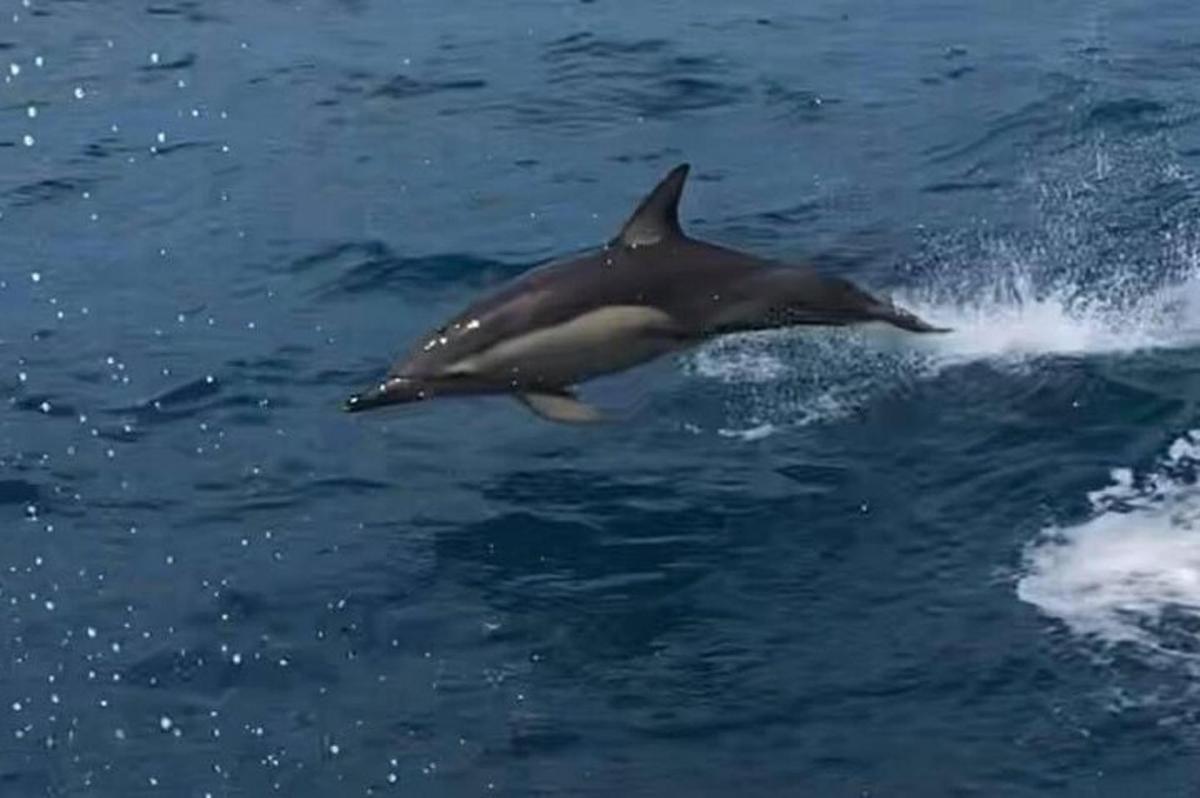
(826, 563)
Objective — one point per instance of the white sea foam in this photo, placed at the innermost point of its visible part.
(754, 433)
(1130, 573)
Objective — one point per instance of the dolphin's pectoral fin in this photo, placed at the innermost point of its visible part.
(560, 405)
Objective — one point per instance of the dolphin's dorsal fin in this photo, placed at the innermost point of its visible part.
(657, 217)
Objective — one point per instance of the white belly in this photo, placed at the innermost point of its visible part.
(597, 342)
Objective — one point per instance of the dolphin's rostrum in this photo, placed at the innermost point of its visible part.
(649, 291)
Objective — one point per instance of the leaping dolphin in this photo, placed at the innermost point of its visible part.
(649, 291)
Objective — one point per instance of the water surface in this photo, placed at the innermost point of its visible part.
(835, 563)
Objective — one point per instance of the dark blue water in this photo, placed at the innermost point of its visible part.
(810, 563)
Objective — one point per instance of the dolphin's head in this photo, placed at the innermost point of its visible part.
(402, 388)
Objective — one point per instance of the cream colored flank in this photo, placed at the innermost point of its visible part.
(608, 339)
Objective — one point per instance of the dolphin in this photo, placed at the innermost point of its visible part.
(649, 291)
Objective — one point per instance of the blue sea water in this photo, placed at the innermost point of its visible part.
(826, 563)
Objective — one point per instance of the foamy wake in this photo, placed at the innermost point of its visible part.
(1130, 574)
(1014, 318)
(797, 377)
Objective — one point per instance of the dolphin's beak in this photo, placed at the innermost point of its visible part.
(394, 390)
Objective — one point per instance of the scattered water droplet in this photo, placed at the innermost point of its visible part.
(80, 93)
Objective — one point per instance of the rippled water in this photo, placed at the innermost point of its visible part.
(827, 563)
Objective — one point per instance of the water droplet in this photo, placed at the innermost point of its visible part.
(31, 111)
(153, 58)
(80, 93)
(27, 140)
(165, 723)
(14, 69)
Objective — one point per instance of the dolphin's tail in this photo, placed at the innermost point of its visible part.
(898, 317)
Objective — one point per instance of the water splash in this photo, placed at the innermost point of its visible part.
(1101, 274)
(1131, 573)
(1015, 313)
(1007, 310)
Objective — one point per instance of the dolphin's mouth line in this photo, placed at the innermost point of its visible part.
(394, 390)
(408, 390)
